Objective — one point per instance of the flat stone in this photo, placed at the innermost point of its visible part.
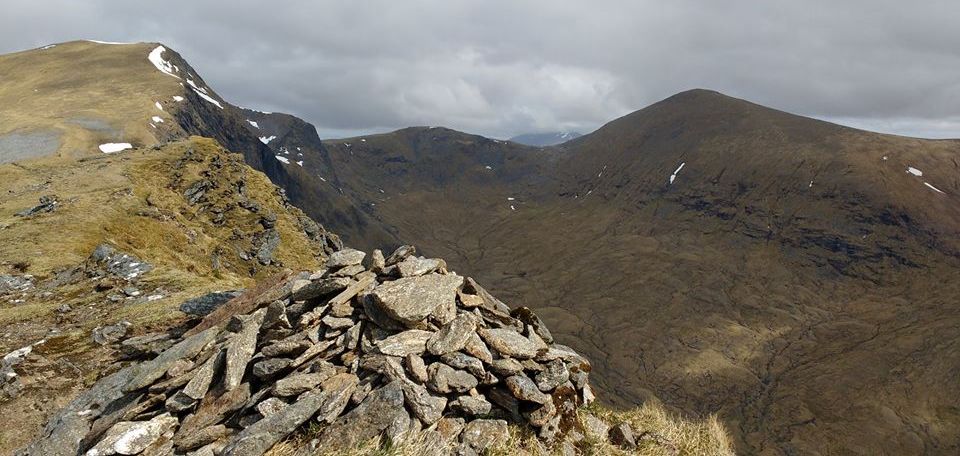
(534, 322)
(340, 304)
(345, 257)
(179, 402)
(469, 301)
(465, 362)
(471, 405)
(506, 366)
(267, 368)
(321, 287)
(297, 384)
(453, 336)
(417, 266)
(445, 379)
(284, 348)
(132, 437)
(412, 299)
(508, 343)
(554, 374)
(594, 427)
(110, 334)
(388, 366)
(349, 271)
(240, 349)
(525, 389)
(259, 437)
(145, 373)
(481, 435)
(213, 409)
(416, 368)
(337, 322)
(202, 437)
(413, 341)
(366, 421)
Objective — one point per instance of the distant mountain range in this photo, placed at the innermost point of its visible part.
(545, 139)
(794, 276)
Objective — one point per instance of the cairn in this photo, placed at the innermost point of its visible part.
(394, 347)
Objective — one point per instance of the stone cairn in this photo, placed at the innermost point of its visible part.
(396, 348)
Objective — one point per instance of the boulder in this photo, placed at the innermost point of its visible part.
(204, 304)
(345, 257)
(132, 437)
(508, 343)
(410, 342)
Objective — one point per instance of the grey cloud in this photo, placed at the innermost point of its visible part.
(505, 67)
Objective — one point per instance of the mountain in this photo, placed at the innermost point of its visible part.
(795, 277)
(545, 139)
(126, 237)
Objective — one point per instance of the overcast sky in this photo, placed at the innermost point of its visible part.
(500, 68)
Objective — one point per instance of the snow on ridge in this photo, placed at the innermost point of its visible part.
(255, 125)
(932, 187)
(674, 175)
(283, 159)
(202, 92)
(110, 148)
(49, 46)
(156, 58)
(106, 42)
(267, 139)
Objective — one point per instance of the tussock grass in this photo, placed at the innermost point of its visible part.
(660, 433)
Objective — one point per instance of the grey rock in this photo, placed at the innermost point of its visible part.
(111, 334)
(179, 402)
(413, 341)
(622, 435)
(481, 435)
(337, 322)
(146, 345)
(453, 336)
(525, 389)
(271, 406)
(594, 427)
(267, 368)
(267, 243)
(427, 407)
(502, 397)
(297, 384)
(527, 316)
(366, 421)
(349, 271)
(416, 368)
(445, 379)
(118, 264)
(508, 343)
(554, 374)
(48, 203)
(144, 374)
(400, 254)
(476, 348)
(132, 437)
(345, 257)
(377, 261)
(542, 415)
(203, 305)
(240, 349)
(417, 266)
(284, 348)
(264, 434)
(410, 300)
(276, 316)
(506, 366)
(202, 437)
(466, 362)
(471, 405)
(321, 287)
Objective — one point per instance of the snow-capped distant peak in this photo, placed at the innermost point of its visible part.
(156, 58)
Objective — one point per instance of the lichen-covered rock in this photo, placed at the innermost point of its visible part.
(412, 299)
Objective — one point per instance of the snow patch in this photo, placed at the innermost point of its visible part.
(283, 159)
(512, 208)
(510, 198)
(106, 42)
(156, 58)
(321, 178)
(811, 184)
(932, 187)
(177, 98)
(202, 92)
(914, 171)
(488, 167)
(157, 119)
(158, 105)
(300, 163)
(255, 125)
(110, 148)
(674, 175)
(267, 139)
(49, 46)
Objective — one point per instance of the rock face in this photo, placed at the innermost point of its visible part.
(359, 352)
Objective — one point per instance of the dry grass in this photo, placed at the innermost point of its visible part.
(660, 434)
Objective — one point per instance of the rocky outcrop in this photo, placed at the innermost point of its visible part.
(359, 352)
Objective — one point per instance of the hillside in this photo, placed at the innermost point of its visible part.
(545, 139)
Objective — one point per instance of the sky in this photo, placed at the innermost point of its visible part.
(502, 68)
